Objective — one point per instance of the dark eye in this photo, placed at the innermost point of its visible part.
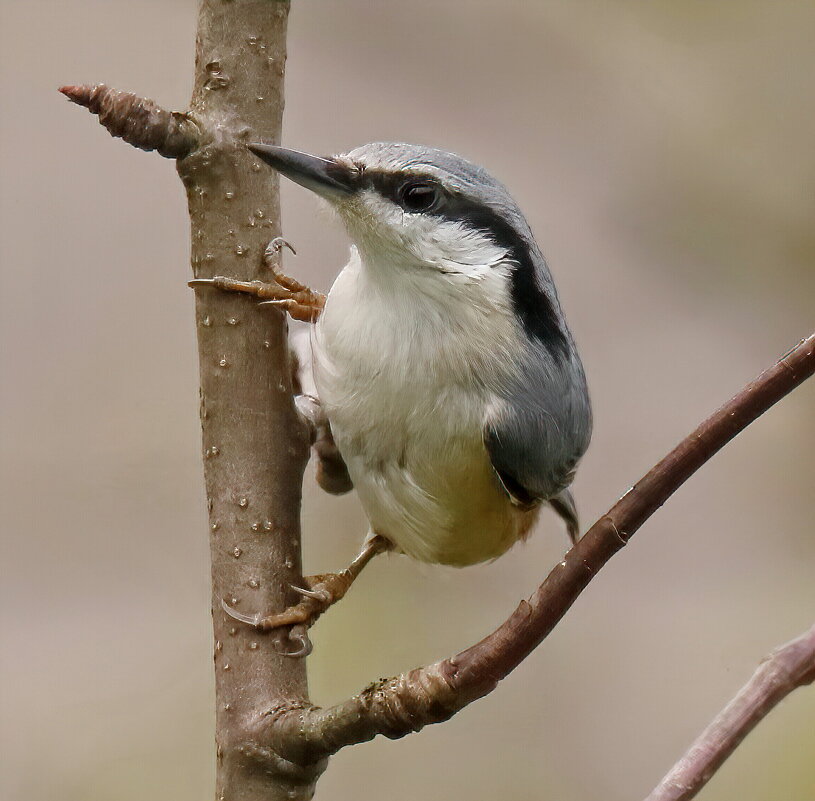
(420, 196)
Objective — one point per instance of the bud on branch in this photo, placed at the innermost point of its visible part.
(137, 120)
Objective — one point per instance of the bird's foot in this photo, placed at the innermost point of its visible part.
(283, 292)
(321, 592)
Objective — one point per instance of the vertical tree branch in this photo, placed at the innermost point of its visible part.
(255, 447)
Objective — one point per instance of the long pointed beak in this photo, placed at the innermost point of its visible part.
(323, 176)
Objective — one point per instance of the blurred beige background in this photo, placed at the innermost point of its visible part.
(663, 154)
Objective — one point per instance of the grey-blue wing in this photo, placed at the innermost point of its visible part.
(536, 432)
(526, 459)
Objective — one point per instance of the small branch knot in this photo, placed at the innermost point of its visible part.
(139, 121)
(409, 702)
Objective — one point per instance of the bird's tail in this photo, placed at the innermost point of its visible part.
(563, 503)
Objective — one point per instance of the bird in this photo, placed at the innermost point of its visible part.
(448, 384)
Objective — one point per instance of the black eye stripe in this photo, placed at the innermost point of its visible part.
(534, 307)
(392, 185)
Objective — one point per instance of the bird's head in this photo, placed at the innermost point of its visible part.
(427, 205)
(427, 210)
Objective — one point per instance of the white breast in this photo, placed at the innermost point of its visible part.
(401, 353)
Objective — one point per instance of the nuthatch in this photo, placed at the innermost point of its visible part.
(442, 359)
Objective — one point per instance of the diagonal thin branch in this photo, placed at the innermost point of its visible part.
(787, 668)
(397, 706)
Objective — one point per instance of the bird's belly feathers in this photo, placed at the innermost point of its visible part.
(427, 486)
(407, 414)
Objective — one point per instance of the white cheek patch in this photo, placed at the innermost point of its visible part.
(372, 215)
(452, 247)
(447, 246)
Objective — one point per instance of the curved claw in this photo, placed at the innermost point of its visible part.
(202, 282)
(323, 596)
(276, 245)
(297, 634)
(297, 311)
(251, 620)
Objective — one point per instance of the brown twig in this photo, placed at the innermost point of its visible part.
(397, 706)
(787, 668)
(139, 121)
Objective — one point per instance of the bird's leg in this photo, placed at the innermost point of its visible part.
(284, 292)
(322, 591)
(332, 472)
